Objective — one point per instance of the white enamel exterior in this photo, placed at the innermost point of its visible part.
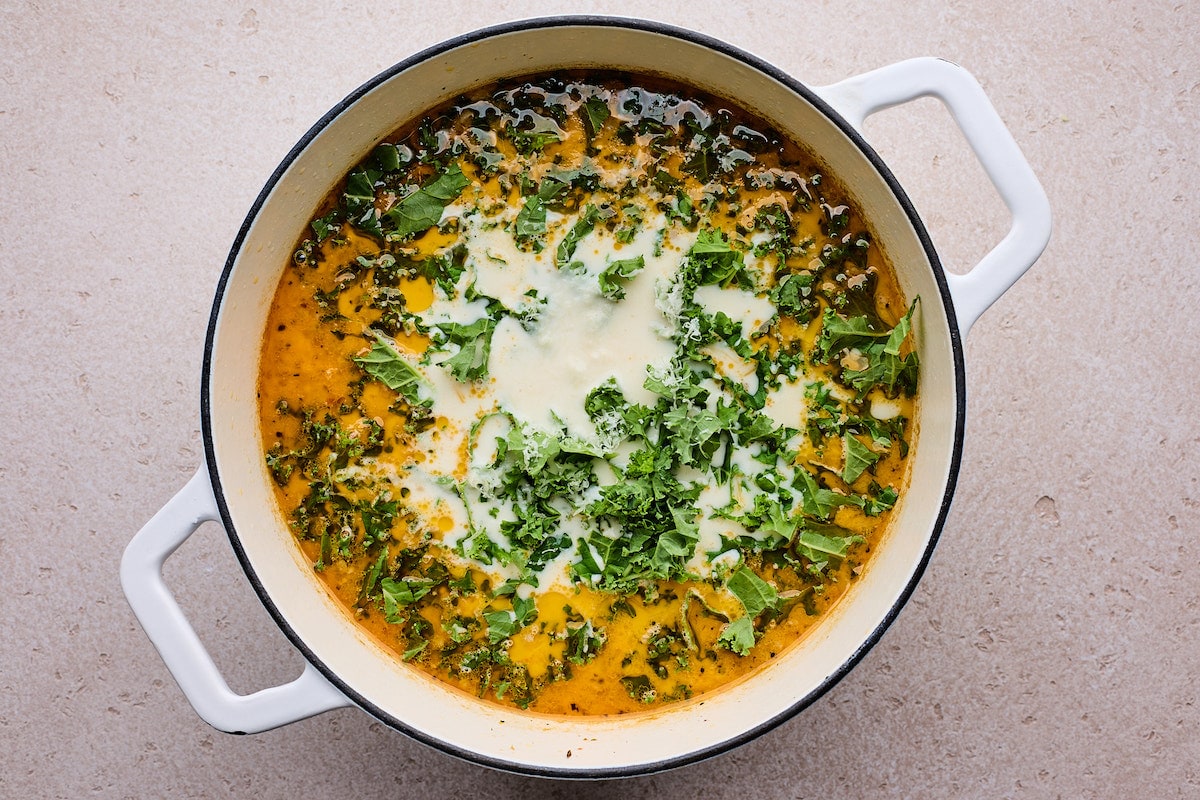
(364, 670)
(180, 647)
(974, 291)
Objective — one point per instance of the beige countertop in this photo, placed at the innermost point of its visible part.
(1051, 649)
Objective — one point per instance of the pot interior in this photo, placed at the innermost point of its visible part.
(406, 698)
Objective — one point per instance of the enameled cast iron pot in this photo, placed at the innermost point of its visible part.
(347, 667)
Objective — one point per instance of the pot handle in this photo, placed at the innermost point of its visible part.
(858, 97)
(177, 642)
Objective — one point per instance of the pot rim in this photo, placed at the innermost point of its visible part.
(758, 64)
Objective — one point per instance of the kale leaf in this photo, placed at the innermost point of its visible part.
(386, 364)
(614, 276)
(422, 209)
(474, 342)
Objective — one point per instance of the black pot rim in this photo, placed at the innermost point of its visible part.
(759, 65)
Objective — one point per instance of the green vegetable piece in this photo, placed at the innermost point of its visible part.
(527, 142)
(532, 448)
(900, 332)
(326, 226)
(423, 208)
(738, 636)
(714, 259)
(605, 397)
(755, 594)
(693, 432)
(386, 157)
(582, 227)
(681, 208)
(677, 543)
(458, 628)
(501, 625)
(793, 295)
(817, 501)
(525, 610)
(584, 642)
(886, 371)
(474, 342)
(821, 549)
(665, 182)
(531, 219)
(702, 164)
(881, 349)
(359, 201)
(445, 269)
(884, 499)
(372, 576)
(617, 273)
(587, 567)
(398, 594)
(858, 458)
(326, 554)
(777, 518)
(838, 334)
(360, 188)
(530, 223)
(595, 114)
(386, 364)
(377, 517)
(639, 688)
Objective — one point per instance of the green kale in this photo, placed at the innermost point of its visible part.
(702, 163)
(500, 624)
(738, 636)
(824, 544)
(474, 342)
(817, 501)
(530, 224)
(398, 594)
(358, 200)
(386, 364)
(582, 227)
(712, 259)
(858, 458)
(584, 642)
(445, 269)
(639, 688)
(884, 367)
(422, 209)
(388, 158)
(534, 139)
(595, 113)
(371, 576)
(614, 276)
(377, 517)
(327, 225)
(755, 594)
(793, 295)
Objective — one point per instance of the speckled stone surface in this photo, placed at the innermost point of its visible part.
(1051, 649)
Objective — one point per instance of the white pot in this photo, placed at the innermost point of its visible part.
(346, 666)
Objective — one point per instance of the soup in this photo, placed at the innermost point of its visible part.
(588, 393)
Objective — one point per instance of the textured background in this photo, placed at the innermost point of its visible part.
(1050, 651)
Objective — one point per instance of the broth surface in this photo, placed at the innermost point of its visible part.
(588, 393)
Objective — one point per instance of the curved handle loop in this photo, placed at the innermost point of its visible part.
(858, 97)
(178, 644)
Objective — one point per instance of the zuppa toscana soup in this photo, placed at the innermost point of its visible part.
(588, 393)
